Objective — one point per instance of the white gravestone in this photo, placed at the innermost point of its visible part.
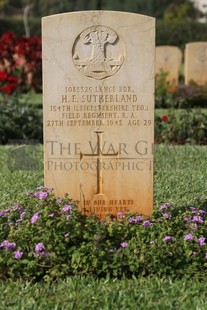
(98, 70)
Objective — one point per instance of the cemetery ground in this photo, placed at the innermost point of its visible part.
(180, 180)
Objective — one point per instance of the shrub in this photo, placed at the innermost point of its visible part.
(189, 126)
(181, 96)
(163, 91)
(16, 25)
(178, 34)
(19, 120)
(46, 237)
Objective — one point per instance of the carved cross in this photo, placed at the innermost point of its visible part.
(98, 155)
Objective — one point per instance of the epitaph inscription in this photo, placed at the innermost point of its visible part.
(99, 110)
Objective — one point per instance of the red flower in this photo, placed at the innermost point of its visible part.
(3, 76)
(7, 83)
(164, 118)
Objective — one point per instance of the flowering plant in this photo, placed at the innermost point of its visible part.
(8, 84)
(186, 126)
(46, 237)
(22, 57)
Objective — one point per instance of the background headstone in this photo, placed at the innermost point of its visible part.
(98, 70)
(196, 63)
(168, 59)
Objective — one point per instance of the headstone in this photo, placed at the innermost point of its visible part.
(98, 70)
(196, 63)
(168, 60)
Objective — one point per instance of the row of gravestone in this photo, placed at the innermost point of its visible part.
(169, 60)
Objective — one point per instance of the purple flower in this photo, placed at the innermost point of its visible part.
(165, 206)
(124, 244)
(41, 195)
(202, 212)
(39, 247)
(66, 208)
(146, 224)
(193, 210)
(197, 219)
(22, 215)
(18, 254)
(201, 241)
(66, 235)
(39, 250)
(136, 219)
(35, 218)
(8, 245)
(51, 215)
(2, 213)
(167, 216)
(132, 220)
(16, 207)
(59, 200)
(186, 218)
(120, 215)
(188, 237)
(167, 238)
(206, 256)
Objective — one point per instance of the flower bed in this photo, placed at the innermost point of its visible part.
(21, 57)
(46, 237)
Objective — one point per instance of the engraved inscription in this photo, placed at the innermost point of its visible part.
(99, 64)
(98, 106)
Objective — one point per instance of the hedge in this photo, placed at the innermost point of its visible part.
(177, 34)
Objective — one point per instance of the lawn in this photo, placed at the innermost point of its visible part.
(180, 177)
(89, 293)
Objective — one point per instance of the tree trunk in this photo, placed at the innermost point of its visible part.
(27, 10)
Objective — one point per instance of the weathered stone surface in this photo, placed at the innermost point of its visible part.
(196, 63)
(168, 60)
(98, 70)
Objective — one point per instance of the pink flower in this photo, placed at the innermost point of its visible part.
(201, 241)
(124, 244)
(167, 238)
(41, 195)
(35, 218)
(8, 245)
(66, 208)
(120, 215)
(18, 254)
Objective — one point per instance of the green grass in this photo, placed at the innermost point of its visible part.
(180, 176)
(89, 293)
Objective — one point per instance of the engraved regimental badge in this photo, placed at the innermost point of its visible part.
(98, 52)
